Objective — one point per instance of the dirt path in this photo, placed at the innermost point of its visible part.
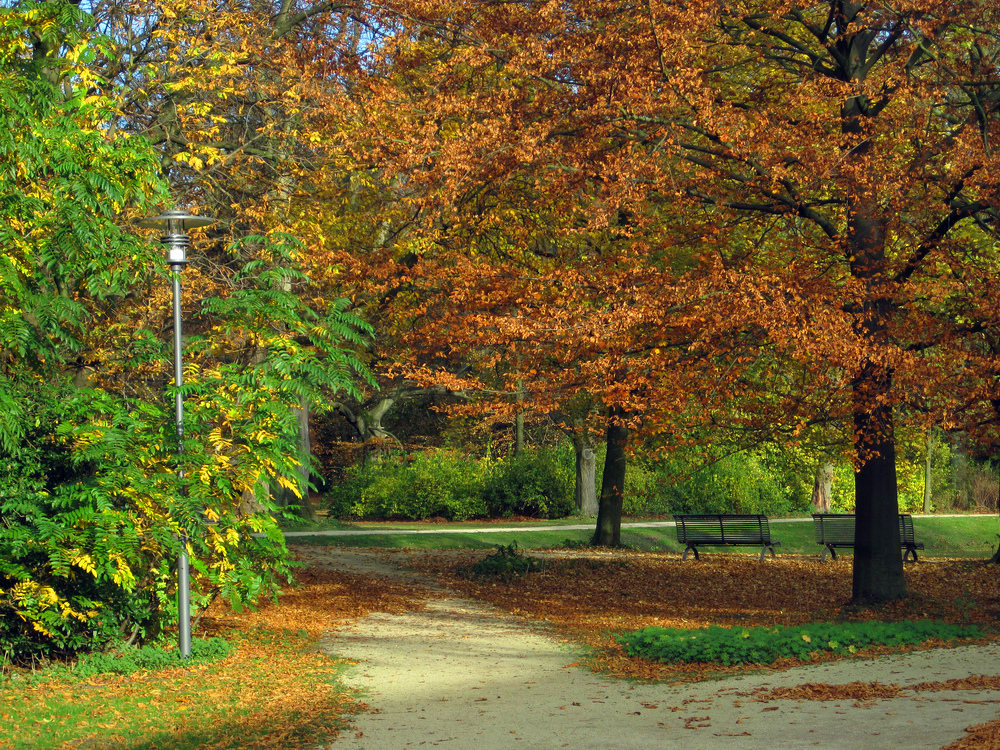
(461, 674)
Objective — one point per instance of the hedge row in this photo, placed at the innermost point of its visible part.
(539, 484)
(447, 484)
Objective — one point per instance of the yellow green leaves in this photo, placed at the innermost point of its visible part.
(92, 497)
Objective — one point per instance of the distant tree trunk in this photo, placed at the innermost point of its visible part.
(285, 497)
(306, 508)
(575, 426)
(822, 493)
(368, 419)
(367, 423)
(586, 471)
(960, 469)
(928, 466)
(609, 514)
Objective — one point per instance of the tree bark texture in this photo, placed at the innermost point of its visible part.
(306, 508)
(822, 494)
(928, 470)
(878, 566)
(609, 514)
(586, 480)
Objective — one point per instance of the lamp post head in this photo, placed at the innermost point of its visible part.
(175, 225)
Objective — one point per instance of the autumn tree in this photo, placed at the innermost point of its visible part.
(236, 97)
(866, 133)
(854, 141)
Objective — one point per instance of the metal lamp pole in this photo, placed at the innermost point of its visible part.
(175, 225)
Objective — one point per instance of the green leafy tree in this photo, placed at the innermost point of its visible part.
(91, 506)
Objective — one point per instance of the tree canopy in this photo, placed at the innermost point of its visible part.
(688, 224)
(92, 502)
(812, 182)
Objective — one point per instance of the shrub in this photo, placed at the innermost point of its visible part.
(505, 564)
(763, 645)
(91, 513)
(437, 483)
(446, 484)
(533, 484)
(739, 483)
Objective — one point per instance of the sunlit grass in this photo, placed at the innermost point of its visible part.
(963, 536)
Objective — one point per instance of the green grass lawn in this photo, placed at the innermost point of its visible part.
(963, 536)
(326, 524)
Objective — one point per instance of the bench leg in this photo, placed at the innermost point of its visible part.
(764, 551)
(690, 548)
(910, 551)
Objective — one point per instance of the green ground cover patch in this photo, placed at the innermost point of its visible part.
(764, 645)
(130, 659)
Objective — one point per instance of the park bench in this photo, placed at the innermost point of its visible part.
(718, 529)
(837, 530)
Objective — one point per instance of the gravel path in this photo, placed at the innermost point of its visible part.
(462, 674)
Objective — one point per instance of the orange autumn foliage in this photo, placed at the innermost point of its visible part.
(764, 217)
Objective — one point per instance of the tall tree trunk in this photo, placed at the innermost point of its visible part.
(609, 513)
(306, 508)
(822, 494)
(878, 565)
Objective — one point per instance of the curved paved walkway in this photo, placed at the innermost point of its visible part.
(462, 674)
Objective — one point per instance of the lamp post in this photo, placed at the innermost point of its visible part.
(175, 225)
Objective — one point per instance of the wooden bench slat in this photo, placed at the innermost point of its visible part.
(837, 530)
(716, 529)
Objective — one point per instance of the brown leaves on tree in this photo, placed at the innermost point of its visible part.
(759, 219)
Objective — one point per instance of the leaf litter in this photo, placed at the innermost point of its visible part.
(278, 690)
